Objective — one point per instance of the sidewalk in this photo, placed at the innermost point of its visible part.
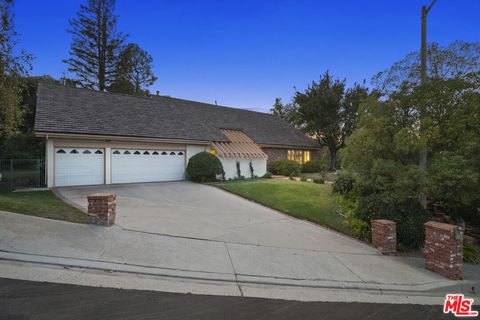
(45, 250)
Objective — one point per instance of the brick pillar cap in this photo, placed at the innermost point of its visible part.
(100, 196)
(439, 225)
(383, 221)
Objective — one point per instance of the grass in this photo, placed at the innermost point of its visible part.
(309, 201)
(40, 204)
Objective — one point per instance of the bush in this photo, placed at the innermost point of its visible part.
(319, 180)
(314, 166)
(286, 168)
(267, 175)
(471, 253)
(204, 167)
(347, 207)
(303, 178)
(344, 183)
(408, 214)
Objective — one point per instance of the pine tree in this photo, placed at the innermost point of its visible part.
(96, 44)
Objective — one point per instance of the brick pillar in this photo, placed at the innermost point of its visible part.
(384, 236)
(101, 208)
(444, 253)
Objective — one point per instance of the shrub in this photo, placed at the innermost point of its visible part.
(347, 207)
(408, 214)
(314, 166)
(204, 167)
(291, 177)
(471, 253)
(319, 180)
(267, 175)
(286, 168)
(303, 178)
(343, 184)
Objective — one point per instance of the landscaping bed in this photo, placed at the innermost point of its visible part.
(40, 204)
(303, 200)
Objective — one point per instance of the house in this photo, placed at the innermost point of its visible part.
(102, 138)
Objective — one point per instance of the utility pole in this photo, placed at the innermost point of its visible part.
(423, 79)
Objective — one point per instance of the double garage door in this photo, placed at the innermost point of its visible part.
(86, 166)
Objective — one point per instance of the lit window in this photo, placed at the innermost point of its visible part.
(301, 156)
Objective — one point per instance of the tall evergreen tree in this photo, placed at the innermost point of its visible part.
(96, 44)
(12, 67)
(134, 73)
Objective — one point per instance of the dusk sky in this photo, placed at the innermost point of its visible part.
(245, 53)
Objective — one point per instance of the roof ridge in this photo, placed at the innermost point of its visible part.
(150, 98)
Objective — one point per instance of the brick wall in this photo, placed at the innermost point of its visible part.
(102, 208)
(443, 253)
(275, 154)
(384, 236)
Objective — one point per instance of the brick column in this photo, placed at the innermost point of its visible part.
(444, 253)
(384, 236)
(101, 208)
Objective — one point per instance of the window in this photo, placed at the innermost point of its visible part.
(164, 153)
(86, 152)
(127, 152)
(172, 153)
(155, 153)
(146, 153)
(61, 151)
(301, 156)
(136, 152)
(98, 152)
(180, 153)
(74, 151)
(116, 152)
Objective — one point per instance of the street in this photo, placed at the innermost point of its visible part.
(38, 300)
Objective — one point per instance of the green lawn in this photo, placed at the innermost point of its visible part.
(41, 204)
(304, 200)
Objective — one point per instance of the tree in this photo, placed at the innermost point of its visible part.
(457, 60)
(96, 44)
(285, 112)
(327, 111)
(12, 68)
(134, 71)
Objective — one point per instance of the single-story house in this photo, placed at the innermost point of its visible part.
(103, 138)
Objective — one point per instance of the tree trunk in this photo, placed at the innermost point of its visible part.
(333, 159)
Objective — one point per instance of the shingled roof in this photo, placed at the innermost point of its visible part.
(63, 109)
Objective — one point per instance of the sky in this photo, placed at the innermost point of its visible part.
(246, 53)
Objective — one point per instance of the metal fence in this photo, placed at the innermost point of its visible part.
(22, 173)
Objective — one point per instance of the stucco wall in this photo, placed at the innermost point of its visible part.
(230, 167)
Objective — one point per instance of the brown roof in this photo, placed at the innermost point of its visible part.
(240, 146)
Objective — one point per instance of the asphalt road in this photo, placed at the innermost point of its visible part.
(38, 300)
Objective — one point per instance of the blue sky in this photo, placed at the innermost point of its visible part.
(246, 53)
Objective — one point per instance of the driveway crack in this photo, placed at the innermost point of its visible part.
(234, 271)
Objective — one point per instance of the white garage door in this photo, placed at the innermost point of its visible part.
(135, 165)
(79, 166)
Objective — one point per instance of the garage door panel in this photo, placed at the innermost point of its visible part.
(130, 166)
(79, 166)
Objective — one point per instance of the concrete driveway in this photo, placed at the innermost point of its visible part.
(186, 237)
(191, 210)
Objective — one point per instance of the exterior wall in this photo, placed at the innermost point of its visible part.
(108, 145)
(275, 154)
(230, 167)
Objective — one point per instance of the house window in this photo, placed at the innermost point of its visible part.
(61, 151)
(172, 153)
(180, 153)
(86, 152)
(116, 152)
(155, 153)
(301, 156)
(146, 153)
(98, 152)
(126, 152)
